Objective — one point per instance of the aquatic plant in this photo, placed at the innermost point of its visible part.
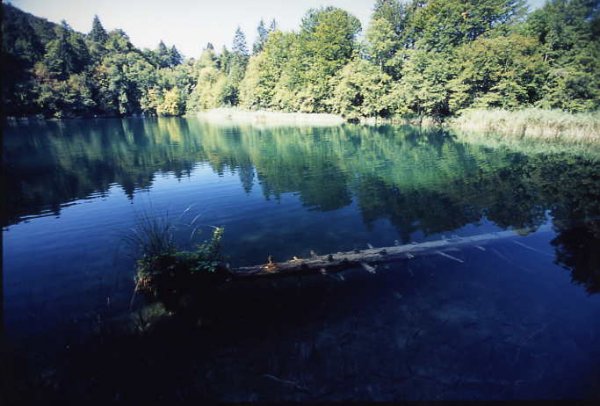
(183, 280)
(152, 235)
(546, 125)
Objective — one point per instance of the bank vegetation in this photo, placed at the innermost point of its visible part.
(436, 58)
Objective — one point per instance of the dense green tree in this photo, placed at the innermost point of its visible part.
(163, 55)
(240, 47)
(122, 80)
(562, 26)
(261, 38)
(570, 42)
(392, 11)
(361, 91)
(498, 72)
(224, 60)
(71, 97)
(210, 82)
(424, 87)
(173, 103)
(383, 41)
(98, 33)
(66, 54)
(258, 89)
(264, 71)
(175, 57)
(326, 42)
(255, 89)
(574, 84)
(238, 60)
(118, 41)
(439, 25)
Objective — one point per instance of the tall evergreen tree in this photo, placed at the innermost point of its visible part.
(272, 25)
(240, 48)
(66, 54)
(98, 33)
(163, 56)
(237, 67)
(261, 38)
(175, 57)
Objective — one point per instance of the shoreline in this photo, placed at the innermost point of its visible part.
(554, 126)
(264, 118)
(549, 126)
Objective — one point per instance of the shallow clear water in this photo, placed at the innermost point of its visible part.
(517, 318)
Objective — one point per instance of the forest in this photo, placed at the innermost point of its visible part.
(434, 58)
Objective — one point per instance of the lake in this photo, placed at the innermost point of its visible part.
(518, 318)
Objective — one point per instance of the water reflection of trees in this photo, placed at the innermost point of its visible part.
(418, 180)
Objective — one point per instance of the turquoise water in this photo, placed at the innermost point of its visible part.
(74, 189)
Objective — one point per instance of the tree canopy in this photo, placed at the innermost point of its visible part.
(416, 57)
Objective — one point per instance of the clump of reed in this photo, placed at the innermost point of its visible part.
(180, 280)
(152, 235)
(183, 280)
(545, 125)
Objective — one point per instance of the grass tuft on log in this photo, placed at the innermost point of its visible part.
(180, 280)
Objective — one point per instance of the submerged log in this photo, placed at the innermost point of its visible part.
(367, 258)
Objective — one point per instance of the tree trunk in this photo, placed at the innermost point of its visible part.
(366, 258)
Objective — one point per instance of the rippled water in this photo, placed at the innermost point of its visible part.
(491, 326)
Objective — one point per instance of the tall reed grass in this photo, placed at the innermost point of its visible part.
(152, 235)
(545, 125)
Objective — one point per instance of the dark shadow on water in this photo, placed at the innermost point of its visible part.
(393, 335)
(578, 250)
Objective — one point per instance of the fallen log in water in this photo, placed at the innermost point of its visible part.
(371, 256)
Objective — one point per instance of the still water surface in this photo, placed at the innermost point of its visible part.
(519, 318)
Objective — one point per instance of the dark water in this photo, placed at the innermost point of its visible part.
(519, 318)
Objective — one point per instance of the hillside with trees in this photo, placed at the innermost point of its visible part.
(415, 58)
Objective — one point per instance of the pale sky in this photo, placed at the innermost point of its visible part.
(188, 24)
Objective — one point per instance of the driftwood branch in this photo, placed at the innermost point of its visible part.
(367, 258)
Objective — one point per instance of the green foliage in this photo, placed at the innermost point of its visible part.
(504, 71)
(361, 91)
(570, 42)
(420, 57)
(240, 48)
(175, 278)
(66, 54)
(263, 77)
(121, 80)
(98, 33)
(574, 84)
(172, 104)
(210, 83)
(388, 33)
(393, 12)
(424, 87)
(382, 41)
(325, 44)
(440, 25)
(255, 89)
(263, 33)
